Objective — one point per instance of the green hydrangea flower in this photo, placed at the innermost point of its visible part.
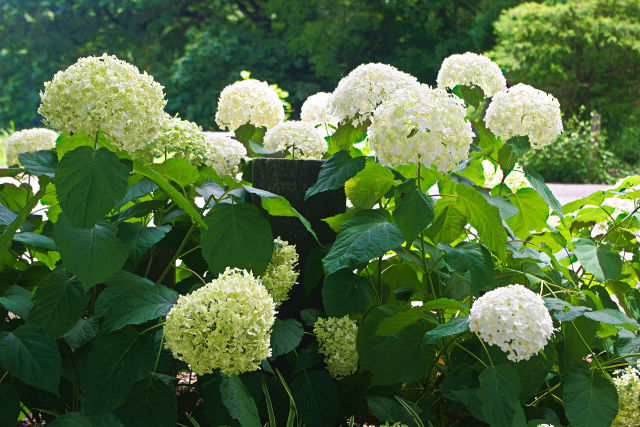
(281, 274)
(29, 140)
(182, 139)
(337, 339)
(628, 385)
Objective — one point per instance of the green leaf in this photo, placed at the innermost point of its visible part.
(346, 135)
(150, 402)
(589, 397)
(498, 391)
(316, 397)
(612, 316)
(17, 300)
(485, 218)
(507, 159)
(9, 405)
(67, 143)
(538, 184)
(116, 362)
(452, 327)
(473, 258)
(238, 236)
(369, 185)
(141, 239)
(141, 187)
(58, 307)
(449, 222)
(532, 215)
(31, 355)
(177, 170)
(367, 235)
(345, 293)
(16, 220)
(7, 216)
(564, 311)
(600, 261)
(93, 254)
(335, 172)
(286, 336)
(239, 402)
(520, 145)
(413, 213)
(73, 419)
(389, 410)
(82, 332)
(43, 162)
(395, 324)
(89, 184)
(38, 241)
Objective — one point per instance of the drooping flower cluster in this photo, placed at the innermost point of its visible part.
(182, 139)
(28, 140)
(224, 325)
(513, 318)
(493, 176)
(316, 110)
(281, 275)
(337, 339)
(106, 94)
(470, 69)
(421, 125)
(628, 386)
(363, 89)
(225, 154)
(249, 102)
(302, 139)
(523, 110)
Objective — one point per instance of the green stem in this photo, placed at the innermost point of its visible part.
(472, 355)
(155, 366)
(595, 357)
(485, 349)
(151, 328)
(175, 257)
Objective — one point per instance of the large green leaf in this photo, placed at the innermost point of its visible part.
(413, 212)
(116, 362)
(239, 402)
(394, 324)
(82, 332)
(344, 292)
(600, 261)
(93, 254)
(485, 218)
(316, 397)
(367, 235)
(538, 184)
(17, 300)
(498, 391)
(89, 183)
(452, 327)
(532, 215)
(589, 397)
(7, 216)
(449, 222)
(177, 170)
(38, 241)
(31, 355)
(238, 236)
(9, 405)
(141, 239)
(335, 172)
(347, 135)
(473, 258)
(389, 410)
(14, 221)
(286, 336)
(365, 189)
(150, 402)
(43, 162)
(58, 307)
(73, 419)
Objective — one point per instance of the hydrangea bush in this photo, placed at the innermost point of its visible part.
(142, 283)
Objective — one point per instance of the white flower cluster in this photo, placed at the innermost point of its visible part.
(421, 125)
(493, 176)
(513, 318)
(628, 386)
(225, 154)
(337, 339)
(28, 140)
(523, 110)
(105, 94)
(316, 110)
(249, 102)
(281, 275)
(302, 139)
(224, 325)
(363, 89)
(182, 139)
(470, 69)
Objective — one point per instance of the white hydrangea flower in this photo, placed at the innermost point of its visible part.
(29, 140)
(225, 154)
(421, 125)
(513, 318)
(182, 139)
(515, 180)
(300, 138)
(281, 275)
(523, 110)
(316, 110)
(628, 386)
(249, 101)
(107, 94)
(361, 91)
(470, 69)
(337, 339)
(224, 325)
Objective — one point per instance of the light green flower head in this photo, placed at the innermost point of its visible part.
(107, 94)
(281, 274)
(224, 325)
(337, 339)
(28, 140)
(628, 386)
(182, 139)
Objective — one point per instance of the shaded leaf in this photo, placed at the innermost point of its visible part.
(239, 402)
(286, 336)
(58, 307)
(335, 172)
(344, 292)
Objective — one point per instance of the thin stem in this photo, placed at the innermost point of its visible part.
(380, 277)
(193, 272)
(4, 376)
(485, 349)
(595, 357)
(151, 328)
(155, 366)
(543, 395)
(175, 257)
(473, 355)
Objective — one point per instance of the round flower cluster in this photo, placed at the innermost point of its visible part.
(513, 318)
(249, 101)
(105, 94)
(225, 154)
(316, 110)
(515, 180)
(337, 339)
(628, 386)
(281, 274)
(363, 89)
(224, 325)
(523, 110)
(182, 139)
(28, 140)
(298, 137)
(421, 125)
(470, 69)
